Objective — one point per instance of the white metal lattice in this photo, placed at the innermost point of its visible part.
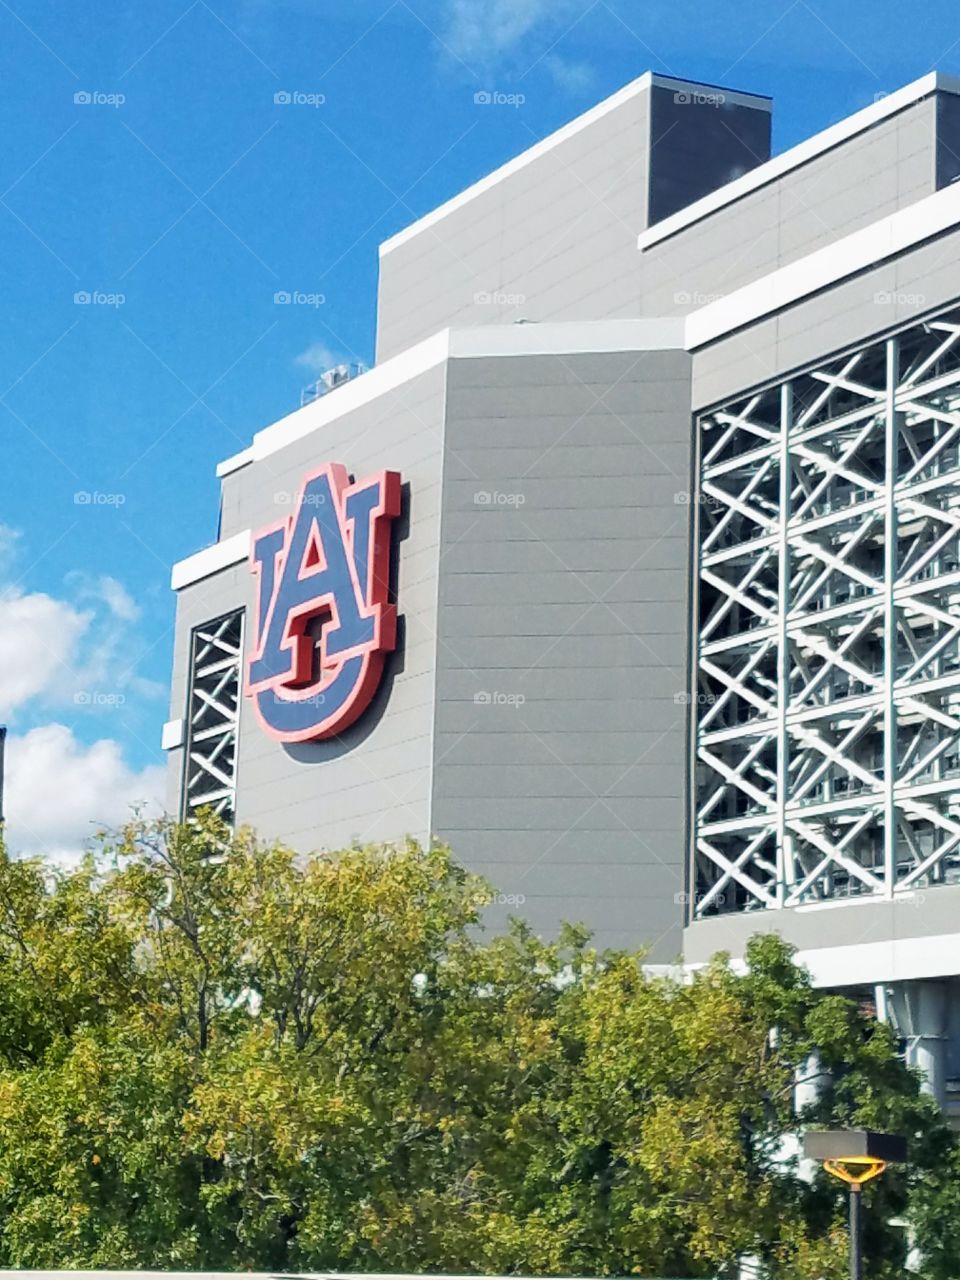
(827, 674)
(210, 777)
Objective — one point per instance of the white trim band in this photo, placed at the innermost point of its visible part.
(845, 257)
(201, 564)
(378, 381)
(519, 162)
(737, 97)
(899, 960)
(772, 293)
(234, 463)
(498, 340)
(803, 152)
(586, 337)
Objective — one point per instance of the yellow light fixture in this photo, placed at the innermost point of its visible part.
(856, 1169)
(855, 1156)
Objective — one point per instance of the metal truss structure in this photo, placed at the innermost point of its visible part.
(210, 769)
(827, 673)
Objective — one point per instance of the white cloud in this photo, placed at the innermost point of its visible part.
(39, 638)
(119, 600)
(62, 652)
(60, 791)
(484, 32)
(318, 358)
(9, 541)
(141, 687)
(73, 655)
(108, 591)
(572, 77)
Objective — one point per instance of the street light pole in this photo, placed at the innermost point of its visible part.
(856, 1156)
(856, 1232)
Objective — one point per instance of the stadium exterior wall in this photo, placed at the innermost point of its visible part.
(540, 710)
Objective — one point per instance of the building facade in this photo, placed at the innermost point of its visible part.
(632, 568)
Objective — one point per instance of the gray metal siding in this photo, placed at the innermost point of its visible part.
(556, 240)
(834, 926)
(948, 139)
(535, 715)
(871, 175)
(571, 802)
(559, 233)
(373, 784)
(896, 292)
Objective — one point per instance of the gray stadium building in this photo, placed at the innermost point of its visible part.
(632, 568)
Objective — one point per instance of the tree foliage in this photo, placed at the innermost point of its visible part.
(216, 1054)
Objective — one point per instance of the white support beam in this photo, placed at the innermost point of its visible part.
(829, 752)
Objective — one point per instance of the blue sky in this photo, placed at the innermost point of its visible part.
(181, 197)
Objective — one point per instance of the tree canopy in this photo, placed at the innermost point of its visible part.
(216, 1054)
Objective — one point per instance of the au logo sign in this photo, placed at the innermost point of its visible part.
(323, 621)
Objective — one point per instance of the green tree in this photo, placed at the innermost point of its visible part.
(217, 1054)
